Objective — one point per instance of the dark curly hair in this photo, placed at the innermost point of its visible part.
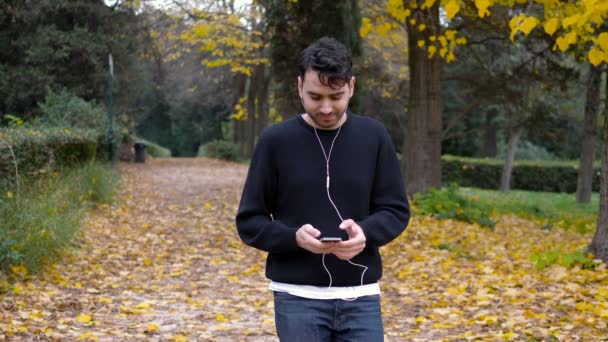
(330, 58)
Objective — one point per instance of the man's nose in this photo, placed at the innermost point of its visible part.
(326, 108)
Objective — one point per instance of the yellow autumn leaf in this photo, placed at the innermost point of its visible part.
(143, 306)
(421, 27)
(595, 56)
(207, 205)
(562, 44)
(84, 318)
(421, 43)
(105, 300)
(569, 21)
(482, 7)
(179, 338)
(151, 328)
(551, 26)
(233, 278)
(220, 318)
(452, 8)
(528, 25)
(602, 40)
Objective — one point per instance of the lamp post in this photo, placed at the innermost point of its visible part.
(110, 130)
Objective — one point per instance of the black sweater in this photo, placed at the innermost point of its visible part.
(286, 188)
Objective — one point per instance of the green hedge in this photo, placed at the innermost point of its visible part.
(550, 176)
(219, 149)
(42, 149)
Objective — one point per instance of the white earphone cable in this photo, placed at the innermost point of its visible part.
(327, 182)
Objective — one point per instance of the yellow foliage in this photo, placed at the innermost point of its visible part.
(84, 318)
(551, 26)
(596, 56)
(421, 43)
(528, 25)
(432, 50)
(522, 23)
(569, 21)
(482, 7)
(602, 41)
(428, 4)
(452, 8)
(396, 9)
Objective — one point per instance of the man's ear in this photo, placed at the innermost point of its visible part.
(300, 86)
(352, 86)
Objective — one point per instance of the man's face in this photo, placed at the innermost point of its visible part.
(324, 105)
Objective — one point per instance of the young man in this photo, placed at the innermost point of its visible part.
(324, 174)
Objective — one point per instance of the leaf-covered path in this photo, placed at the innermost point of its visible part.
(165, 264)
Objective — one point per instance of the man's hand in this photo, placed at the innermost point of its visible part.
(346, 250)
(307, 237)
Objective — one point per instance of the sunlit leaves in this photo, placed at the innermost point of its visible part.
(551, 26)
(451, 8)
(522, 23)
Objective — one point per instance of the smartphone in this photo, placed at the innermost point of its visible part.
(330, 239)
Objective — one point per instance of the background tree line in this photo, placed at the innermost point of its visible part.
(484, 79)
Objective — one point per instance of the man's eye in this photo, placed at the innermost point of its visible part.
(315, 98)
(336, 98)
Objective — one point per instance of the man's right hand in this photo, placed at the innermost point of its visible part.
(307, 237)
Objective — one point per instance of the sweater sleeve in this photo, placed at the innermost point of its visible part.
(390, 210)
(254, 223)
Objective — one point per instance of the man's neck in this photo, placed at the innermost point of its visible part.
(311, 122)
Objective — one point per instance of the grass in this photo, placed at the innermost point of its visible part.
(46, 215)
(557, 208)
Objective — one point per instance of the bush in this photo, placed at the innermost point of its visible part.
(37, 150)
(549, 176)
(42, 219)
(62, 109)
(65, 110)
(219, 149)
(448, 203)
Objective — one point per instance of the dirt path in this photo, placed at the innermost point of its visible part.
(165, 264)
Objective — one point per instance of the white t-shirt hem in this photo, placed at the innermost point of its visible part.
(327, 293)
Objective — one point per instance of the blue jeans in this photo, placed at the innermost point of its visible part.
(313, 320)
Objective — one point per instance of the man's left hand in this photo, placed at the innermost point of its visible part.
(348, 249)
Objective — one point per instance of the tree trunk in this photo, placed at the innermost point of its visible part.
(505, 180)
(262, 106)
(489, 135)
(592, 106)
(250, 133)
(421, 151)
(599, 245)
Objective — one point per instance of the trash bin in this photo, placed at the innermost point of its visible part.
(140, 152)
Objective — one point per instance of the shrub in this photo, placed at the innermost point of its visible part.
(550, 176)
(38, 150)
(43, 220)
(65, 110)
(448, 203)
(219, 149)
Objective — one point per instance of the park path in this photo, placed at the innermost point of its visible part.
(164, 263)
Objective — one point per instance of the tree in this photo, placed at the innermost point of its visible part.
(592, 106)
(64, 44)
(296, 24)
(579, 25)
